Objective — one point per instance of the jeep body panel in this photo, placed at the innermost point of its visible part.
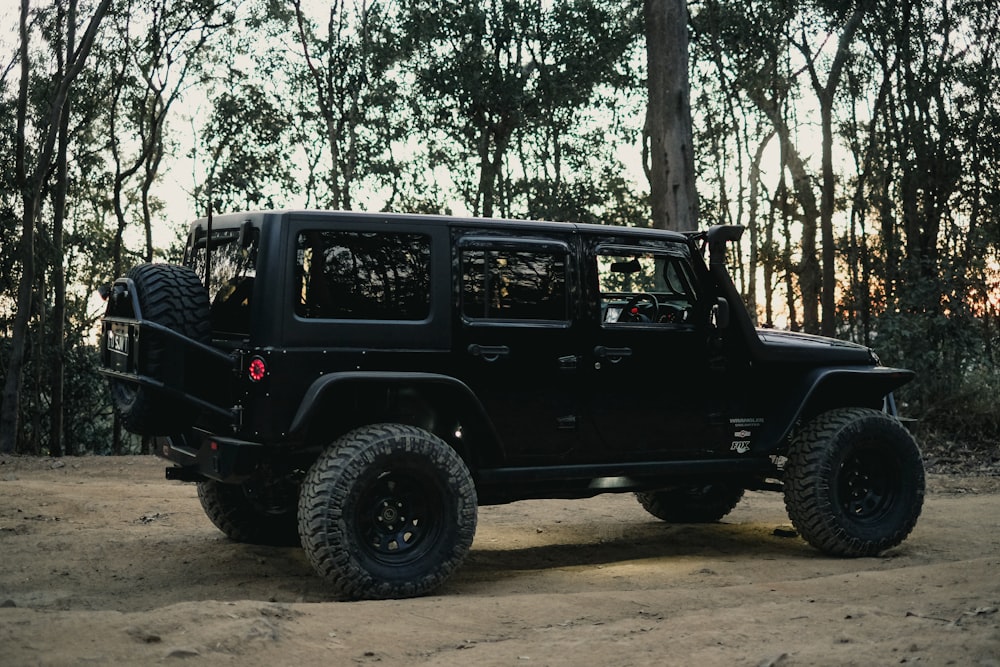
(359, 383)
(529, 381)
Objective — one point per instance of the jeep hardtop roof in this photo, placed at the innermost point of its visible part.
(280, 216)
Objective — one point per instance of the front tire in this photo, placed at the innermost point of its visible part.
(854, 482)
(704, 503)
(387, 511)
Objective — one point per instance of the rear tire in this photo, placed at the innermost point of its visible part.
(854, 482)
(174, 297)
(253, 513)
(706, 503)
(387, 511)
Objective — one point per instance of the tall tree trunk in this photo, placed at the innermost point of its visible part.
(769, 266)
(494, 138)
(31, 189)
(862, 210)
(825, 94)
(9, 406)
(150, 169)
(58, 374)
(487, 175)
(323, 86)
(809, 268)
(668, 143)
(793, 322)
(38, 354)
(754, 177)
(828, 299)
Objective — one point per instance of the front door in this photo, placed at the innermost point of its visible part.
(647, 381)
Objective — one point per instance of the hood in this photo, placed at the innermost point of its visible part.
(794, 346)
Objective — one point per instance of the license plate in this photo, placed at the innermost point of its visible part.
(117, 341)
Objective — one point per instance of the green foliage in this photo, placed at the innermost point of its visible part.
(940, 328)
(245, 140)
(502, 88)
(9, 206)
(954, 395)
(88, 417)
(344, 78)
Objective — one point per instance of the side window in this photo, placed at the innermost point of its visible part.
(513, 284)
(363, 275)
(642, 287)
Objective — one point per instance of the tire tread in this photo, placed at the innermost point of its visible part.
(808, 475)
(324, 493)
(172, 296)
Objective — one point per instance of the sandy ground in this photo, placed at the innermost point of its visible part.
(103, 562)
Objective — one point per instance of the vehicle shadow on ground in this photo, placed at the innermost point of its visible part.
(505, 553)
(503, 556)
(604, 545)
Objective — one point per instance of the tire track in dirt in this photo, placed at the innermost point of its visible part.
(104, 561)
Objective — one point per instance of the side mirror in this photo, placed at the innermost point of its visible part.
(720, 313)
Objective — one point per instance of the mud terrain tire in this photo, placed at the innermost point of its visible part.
(252, 513)
(387, 511)
(854, 482)
(705, 503)
(174, 297)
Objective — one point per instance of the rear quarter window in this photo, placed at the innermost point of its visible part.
(346, 275)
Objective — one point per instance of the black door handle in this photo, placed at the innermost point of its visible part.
(568, 363)
(488, 352)
(612, 354)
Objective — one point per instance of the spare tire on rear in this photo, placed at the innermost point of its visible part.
(172, 296)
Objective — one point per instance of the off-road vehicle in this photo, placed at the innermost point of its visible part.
(361, 383)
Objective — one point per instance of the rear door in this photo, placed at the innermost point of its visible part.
(518, 338)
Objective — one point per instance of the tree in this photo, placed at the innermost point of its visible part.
(487, 73)
(58, 372)
(748, 45)
(31, 180)
(157, 50)
(668, 145)
(563, 160)
(349, 84)
(246, 142)
(825, 95)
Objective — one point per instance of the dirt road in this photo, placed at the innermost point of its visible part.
(104, 562)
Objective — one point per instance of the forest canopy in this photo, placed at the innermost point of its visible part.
(859, 143)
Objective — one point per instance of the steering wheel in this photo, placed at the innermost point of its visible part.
(629, 316)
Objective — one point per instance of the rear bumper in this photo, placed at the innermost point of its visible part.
(198, 456)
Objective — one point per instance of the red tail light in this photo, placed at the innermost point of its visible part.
(256, 369)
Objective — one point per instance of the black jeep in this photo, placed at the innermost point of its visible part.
(360, 383)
